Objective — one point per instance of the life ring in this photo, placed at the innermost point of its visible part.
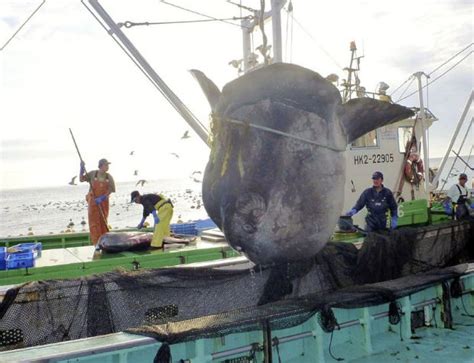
(414, 169)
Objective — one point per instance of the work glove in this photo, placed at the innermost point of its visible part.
(351, 212)
(100, 199)
(394, 222)
(140, 225)
(155, 217)
(82, 171)
(448, 208)
(472, 206)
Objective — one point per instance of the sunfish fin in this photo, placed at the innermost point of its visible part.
(211, 91)
(361, 115)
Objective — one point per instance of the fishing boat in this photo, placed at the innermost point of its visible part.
(220, 307)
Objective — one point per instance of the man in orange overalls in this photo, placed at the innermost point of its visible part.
(101, 186)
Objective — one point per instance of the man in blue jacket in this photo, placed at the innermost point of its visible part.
(378, 201)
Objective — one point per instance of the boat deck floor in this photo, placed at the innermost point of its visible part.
(427, 345)
(69, 255)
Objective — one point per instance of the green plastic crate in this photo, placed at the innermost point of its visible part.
(438, 214)
(413, 212)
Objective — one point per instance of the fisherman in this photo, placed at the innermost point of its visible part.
(162, 210)
(458, 197)
(101, 186)
(378, 201)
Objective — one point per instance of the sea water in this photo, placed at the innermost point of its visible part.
(51, 210)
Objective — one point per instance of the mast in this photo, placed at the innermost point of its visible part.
(276, 28)
(352, 70)
(248, 26)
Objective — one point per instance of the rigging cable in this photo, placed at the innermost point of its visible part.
(22, 25)
(129, 24)
(198, 13)
(434, 70)
(435, 79)
(143, 71)
(468, 158)
(396, 89)
(454, 56)
(317, 44)
(407, 87)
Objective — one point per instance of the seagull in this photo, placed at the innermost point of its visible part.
(71, 224)
(131, 152)
(174, 154)
(197, 180)
(196, 172)
(186, 135)
(135, 172)
(141, 181)
(72, 180)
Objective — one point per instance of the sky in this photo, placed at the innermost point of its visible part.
(62, 70)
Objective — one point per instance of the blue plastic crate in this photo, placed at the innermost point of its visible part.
(184, 228)
(3, 257)
(34, 247)
(20, 260)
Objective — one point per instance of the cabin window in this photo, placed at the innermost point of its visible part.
(405, 134)
(367, 140)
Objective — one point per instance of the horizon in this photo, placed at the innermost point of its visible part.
(465, 157)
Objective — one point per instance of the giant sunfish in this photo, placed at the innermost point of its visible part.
(274, 182)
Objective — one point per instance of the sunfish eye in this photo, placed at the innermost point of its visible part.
(249, 228)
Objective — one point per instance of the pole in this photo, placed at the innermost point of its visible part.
(276, 28)
(453, 138)
(133, 52)
(101, 212)
(424, 134)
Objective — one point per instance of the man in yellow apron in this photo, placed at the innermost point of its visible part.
(162, 210)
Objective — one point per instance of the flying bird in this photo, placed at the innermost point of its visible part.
(141, 181)
(72, 180)
(196, 172)
(135, 172)
(186, 135)
(197, 180)
(174, 154)
(131, 152)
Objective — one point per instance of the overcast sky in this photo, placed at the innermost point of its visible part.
(64, 71)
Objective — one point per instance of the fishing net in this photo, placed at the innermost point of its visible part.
(186, 303)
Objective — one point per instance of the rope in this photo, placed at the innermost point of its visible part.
(277, 132)
(330, 350)
(276, 343)
(22, 25)
(129, 24)
(441, 75)
(261, 25)
(289, 30)
(198, 13)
